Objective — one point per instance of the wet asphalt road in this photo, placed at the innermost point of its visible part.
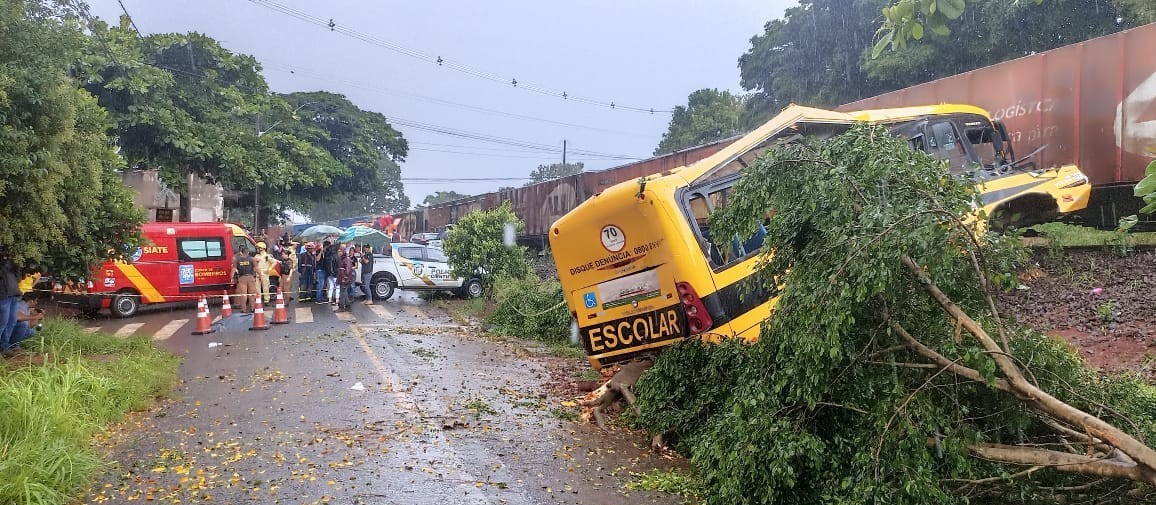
(392, 404)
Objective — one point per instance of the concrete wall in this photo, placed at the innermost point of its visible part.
(153, 195)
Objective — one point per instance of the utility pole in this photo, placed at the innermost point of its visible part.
(563, 154)
(256, 186)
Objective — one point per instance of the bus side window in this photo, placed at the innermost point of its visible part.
(736, 249)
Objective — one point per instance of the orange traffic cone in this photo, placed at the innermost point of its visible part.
(226, 307)
(280, 315)
(204, 324)
(259, 316)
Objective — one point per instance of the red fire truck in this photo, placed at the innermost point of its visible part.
(177, 262)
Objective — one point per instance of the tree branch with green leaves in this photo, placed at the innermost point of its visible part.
(886, 306)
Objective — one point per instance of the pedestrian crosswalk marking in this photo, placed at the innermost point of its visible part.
(168, 330)
(91, 329)
(303, 314)
(382, 312)
(128, 329)
(346, 316)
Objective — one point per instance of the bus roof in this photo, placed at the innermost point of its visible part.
(908, 113)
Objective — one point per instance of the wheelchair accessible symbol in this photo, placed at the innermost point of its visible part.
(590, 300)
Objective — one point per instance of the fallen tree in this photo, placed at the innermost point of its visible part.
(886, 374)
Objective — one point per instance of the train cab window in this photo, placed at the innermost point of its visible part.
(944, 143)
(200, 249)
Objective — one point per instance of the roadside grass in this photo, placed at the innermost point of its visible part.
(466, 311)
(1059, 235)
(670, 481)
(68, 388)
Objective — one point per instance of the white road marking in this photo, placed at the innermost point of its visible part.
(346, 316)
(381, 311)
(128, 329)
(303, 314)
(91, 329)
(168, 330)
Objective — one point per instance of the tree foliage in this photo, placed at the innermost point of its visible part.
(362, 141)
(885, 374)
(1146, 189)
(475, 245)
(709, 115)
(820, 52)
(906, 20)
(442, 197)
(554, 171)
(61, 202)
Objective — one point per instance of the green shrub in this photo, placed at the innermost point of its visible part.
(833, 404)
(51, 411)
(529, 307)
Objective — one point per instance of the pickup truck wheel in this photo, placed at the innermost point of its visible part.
(472, 289)
(383, 288)
(125, 304)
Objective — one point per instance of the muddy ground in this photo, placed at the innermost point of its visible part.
(1100, 301)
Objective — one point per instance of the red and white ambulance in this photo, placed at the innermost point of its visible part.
(177, 262)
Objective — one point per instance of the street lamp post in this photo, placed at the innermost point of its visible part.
(257, 183)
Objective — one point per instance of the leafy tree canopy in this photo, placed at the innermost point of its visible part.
(820, 52)
(886, 373)
(905, 20)
(62, 204)
(475, 245)
(555, 171)
(709, 115)
(359, 204)
(442, 197)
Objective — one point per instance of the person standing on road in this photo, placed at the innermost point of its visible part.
(289, 270)
(322, 273)
(354, 254)
(262, 263)
(246, 282)
(329, 258)
(367, 273)
(345, 269)
(9, 300)
(306, 268)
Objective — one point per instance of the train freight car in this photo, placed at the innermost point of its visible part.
(540, 204)
(1092, 104)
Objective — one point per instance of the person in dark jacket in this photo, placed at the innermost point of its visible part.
(330, 260)
(306, 268)
(9, 299)
(367, 273)
(345, 269)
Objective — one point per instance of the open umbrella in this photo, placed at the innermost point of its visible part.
(362, 235)
(314, 233)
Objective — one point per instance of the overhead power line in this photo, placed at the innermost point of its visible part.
(442, 62)
(453, 132)
(313, 74)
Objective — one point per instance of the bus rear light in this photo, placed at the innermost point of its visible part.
(697, 318)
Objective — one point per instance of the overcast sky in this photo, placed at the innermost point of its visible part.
(637, 53)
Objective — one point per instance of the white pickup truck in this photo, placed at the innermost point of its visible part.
(416, 267)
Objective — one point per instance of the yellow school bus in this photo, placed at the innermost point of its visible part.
(641, 270)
